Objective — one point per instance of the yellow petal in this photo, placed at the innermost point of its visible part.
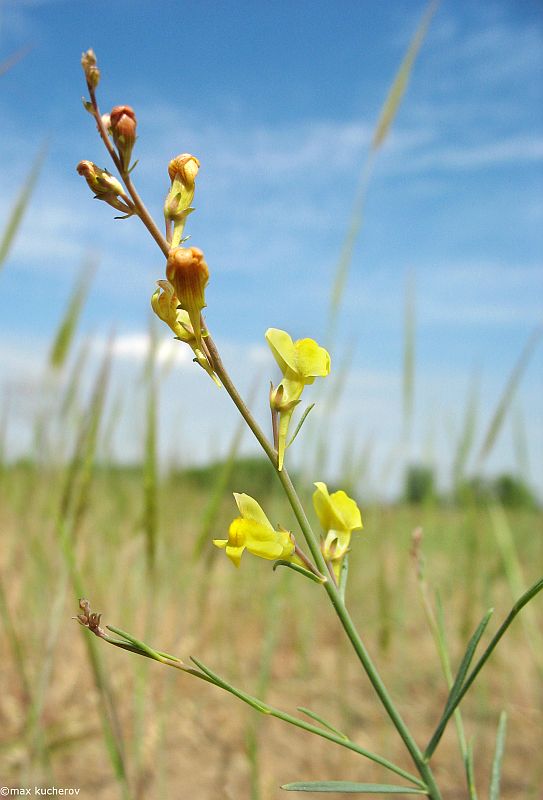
(282, 348)
(234, 554)
(312, 361)
(337, 511)
(250, 509)
(220, 543)
(347, 509)
(271, 550)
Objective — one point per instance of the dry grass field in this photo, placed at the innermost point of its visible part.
(272, 632)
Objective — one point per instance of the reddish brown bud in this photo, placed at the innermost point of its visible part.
(123, 129)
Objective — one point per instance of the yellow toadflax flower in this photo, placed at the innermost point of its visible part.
(300, 362)
(182, 170)
(253, 531)
(165, 304)
(339, 516)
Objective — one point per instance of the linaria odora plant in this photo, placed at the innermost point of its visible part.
(179, 302)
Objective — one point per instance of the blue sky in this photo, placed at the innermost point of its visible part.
(279, 100)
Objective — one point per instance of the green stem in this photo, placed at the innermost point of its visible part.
(330, 587)
(265, 708)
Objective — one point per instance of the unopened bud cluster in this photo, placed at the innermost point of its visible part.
(105, 187)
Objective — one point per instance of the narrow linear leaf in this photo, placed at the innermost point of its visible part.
(397, 90)
(456, 687)
(318, 718)
(494, 793)
(518, 606)
(348, 787)
(18, 210)
(301, 422)
(468, 656)
(251, 701)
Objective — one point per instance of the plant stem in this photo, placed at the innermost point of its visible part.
(143, 214)
(331, 588)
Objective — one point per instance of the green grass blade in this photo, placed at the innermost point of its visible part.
(515, 578)
(467, 434)
(66, 331)
(348, 787)
(495, 779)
(19, 208)
(470, 772)
(399, 85)
(507, 396)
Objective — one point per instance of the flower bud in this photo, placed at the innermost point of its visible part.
(177, 206)
(92, 73)
(184, 167)
(188, 273)
(123, 129)
(105, 186)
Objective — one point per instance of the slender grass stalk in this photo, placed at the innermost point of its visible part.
(68, 326)
(382, 129)
(409, 355)
(508, 394)
(21, 204)
(150, 461)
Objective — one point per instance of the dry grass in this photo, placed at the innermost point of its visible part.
(186, 739)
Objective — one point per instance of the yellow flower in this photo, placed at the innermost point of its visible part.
(182, 170)
(300, 362)
(188, 273)
(165, 304)
(253, 531)
(339, 516)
